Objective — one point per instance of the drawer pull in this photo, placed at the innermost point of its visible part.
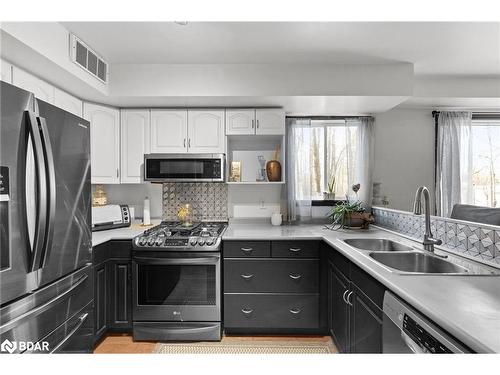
(295, 277)
(247, 249)
(295, 249)
(247, 312)
(247, 277)
(295, 311)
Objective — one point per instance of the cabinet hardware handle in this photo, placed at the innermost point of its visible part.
(244, 311)
(189, 142)
(348, 298)
(343, 296)
(247, 277)
(253, 124)
(117, 173)
(295, 277)
(184, 142)
(295, 249)
(247, 249)
(257, 124)
(295, 311)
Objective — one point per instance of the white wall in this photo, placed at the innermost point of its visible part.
(253, 200)
(404, 154)
(134, 194)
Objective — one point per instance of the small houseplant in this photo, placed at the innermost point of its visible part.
(349, 214)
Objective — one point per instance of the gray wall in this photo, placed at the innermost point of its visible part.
(404, 154)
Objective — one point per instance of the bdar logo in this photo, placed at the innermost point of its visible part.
(8, 346)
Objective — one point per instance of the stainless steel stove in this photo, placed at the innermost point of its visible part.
(176, 272)
(174, 236)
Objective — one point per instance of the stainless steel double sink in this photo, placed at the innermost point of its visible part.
(406, 259)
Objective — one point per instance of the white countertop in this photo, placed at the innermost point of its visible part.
(468, 307)
(126, 233)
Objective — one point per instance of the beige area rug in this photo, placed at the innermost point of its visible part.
(245, 347)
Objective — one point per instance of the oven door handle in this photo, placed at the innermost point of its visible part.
(172, 261)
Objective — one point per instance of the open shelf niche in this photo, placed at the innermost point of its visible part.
(246, 148)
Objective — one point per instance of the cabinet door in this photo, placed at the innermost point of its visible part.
(68, 102)
(338, 309)
(168, 131)
(29, 82)
(270, 121)
(5, 71)
(366, 325)
(100, 300)
(121, 295)
(205, 131)
(240, 121)
(135, 142)
(105, 143)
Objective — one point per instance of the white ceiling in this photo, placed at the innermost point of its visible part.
(441, 48)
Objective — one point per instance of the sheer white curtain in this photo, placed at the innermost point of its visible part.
(454, 160)
(298, 158)
(363, 158)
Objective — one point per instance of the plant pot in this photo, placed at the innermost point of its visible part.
(328, 196)
(359, 220)
(273, 170)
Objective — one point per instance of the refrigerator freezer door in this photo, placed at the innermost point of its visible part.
(66, 139)
(39, 314)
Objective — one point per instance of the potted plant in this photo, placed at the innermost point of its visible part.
(349, 214)
(332, 181)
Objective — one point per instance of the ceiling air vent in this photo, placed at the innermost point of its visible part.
(88, 59)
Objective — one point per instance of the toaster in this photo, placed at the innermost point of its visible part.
(110, 216)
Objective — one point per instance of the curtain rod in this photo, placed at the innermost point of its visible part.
(325, 117)
(476, 115)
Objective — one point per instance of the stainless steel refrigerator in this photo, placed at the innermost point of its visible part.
(46, 288)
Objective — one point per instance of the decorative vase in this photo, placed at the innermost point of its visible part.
(328, 196)
(273, 170)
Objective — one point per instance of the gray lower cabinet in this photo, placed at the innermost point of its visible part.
(271, 287)
(112, 288)
(355, 302)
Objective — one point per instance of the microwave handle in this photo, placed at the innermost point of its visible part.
(172, 261)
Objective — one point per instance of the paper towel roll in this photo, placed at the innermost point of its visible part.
(146, 217)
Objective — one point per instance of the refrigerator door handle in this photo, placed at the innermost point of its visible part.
(81, 320)
(39, 309)
(51, 175)
(41, 192)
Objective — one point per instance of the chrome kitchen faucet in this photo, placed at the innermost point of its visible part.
(429, 241)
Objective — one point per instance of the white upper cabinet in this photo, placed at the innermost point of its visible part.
(68, 102)
(169, 131)
(206, 131)
(270, 121)
(240, 121)
(135, 142)
(5, 71)
(104, 143)
(29, 82)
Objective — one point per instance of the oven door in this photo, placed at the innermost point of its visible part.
(184, 167)
(180, 287)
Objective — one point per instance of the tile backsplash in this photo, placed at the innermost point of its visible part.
(208, 199)
(479, 241)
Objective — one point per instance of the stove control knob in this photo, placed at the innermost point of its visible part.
(159, 241)
(201, 242)
(193, 241)
(210, 241)
(143, 241)
(151, 241)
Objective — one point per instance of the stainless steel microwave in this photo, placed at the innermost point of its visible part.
(184, 167)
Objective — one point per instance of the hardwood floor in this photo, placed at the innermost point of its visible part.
(123, 343)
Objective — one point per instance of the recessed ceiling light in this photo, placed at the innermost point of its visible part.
(182, 23)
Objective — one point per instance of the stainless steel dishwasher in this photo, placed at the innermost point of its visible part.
(407, 331)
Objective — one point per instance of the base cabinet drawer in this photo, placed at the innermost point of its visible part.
(271, 311)
(271, 276)
(247, 249)
(295, 249)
